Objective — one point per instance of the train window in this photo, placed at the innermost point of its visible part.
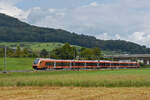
(91, 64)
(79, 64)
(49, 63)
(107, 64)
(62, 64)
(130, 64)
(112, 64)
(115, 64)
(59, 64)
(133, 64)
(102, 64)
(73, 64)
(36, 61)
(122, 64)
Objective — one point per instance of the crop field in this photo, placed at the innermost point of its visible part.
(125, 84)
(73, 93)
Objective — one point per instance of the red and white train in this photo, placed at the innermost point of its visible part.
(43, 64)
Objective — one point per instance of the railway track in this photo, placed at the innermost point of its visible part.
(16, 71)
(49, 70)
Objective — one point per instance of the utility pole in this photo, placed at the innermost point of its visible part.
(5, 50)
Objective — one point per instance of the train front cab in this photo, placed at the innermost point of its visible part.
(38, 64)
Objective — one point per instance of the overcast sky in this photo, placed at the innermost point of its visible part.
(105, 19)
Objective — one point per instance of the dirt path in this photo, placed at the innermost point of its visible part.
(73, 93)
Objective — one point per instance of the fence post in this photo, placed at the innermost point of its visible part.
(5, 55)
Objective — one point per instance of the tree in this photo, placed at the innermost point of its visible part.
(97, 52)
(18, 52)
(86, 53)
(1, 52)
(10, 52)
(25, 52)
(75, 52)
(44, 53)
(90, 53)
(67, 52)
(64, 52)
(56, 53)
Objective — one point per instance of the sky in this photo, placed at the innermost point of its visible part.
(105, 19)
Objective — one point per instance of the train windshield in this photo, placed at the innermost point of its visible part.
(36, 61)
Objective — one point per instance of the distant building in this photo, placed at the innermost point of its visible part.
(143, 58)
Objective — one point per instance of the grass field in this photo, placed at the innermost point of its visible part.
(94, 78)
(17, 63)
(73, 93)
(100, 78)
(36, 46)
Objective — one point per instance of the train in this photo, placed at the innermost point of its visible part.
(45, 63)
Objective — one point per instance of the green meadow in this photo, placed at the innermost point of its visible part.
(16, 63)
(35, 46)
(95, 78)
(87, 78)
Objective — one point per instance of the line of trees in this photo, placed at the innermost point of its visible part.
(17, 52)
(65, 52)
(70, 52)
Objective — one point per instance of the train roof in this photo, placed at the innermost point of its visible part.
(106, 61)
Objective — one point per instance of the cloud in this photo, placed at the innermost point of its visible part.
(106, 36)
(8, 7)
(94, 4)
(120, 19)
(140, 37)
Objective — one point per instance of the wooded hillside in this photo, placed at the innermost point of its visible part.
(13, 30)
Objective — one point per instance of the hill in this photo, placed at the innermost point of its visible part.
(13, 30)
